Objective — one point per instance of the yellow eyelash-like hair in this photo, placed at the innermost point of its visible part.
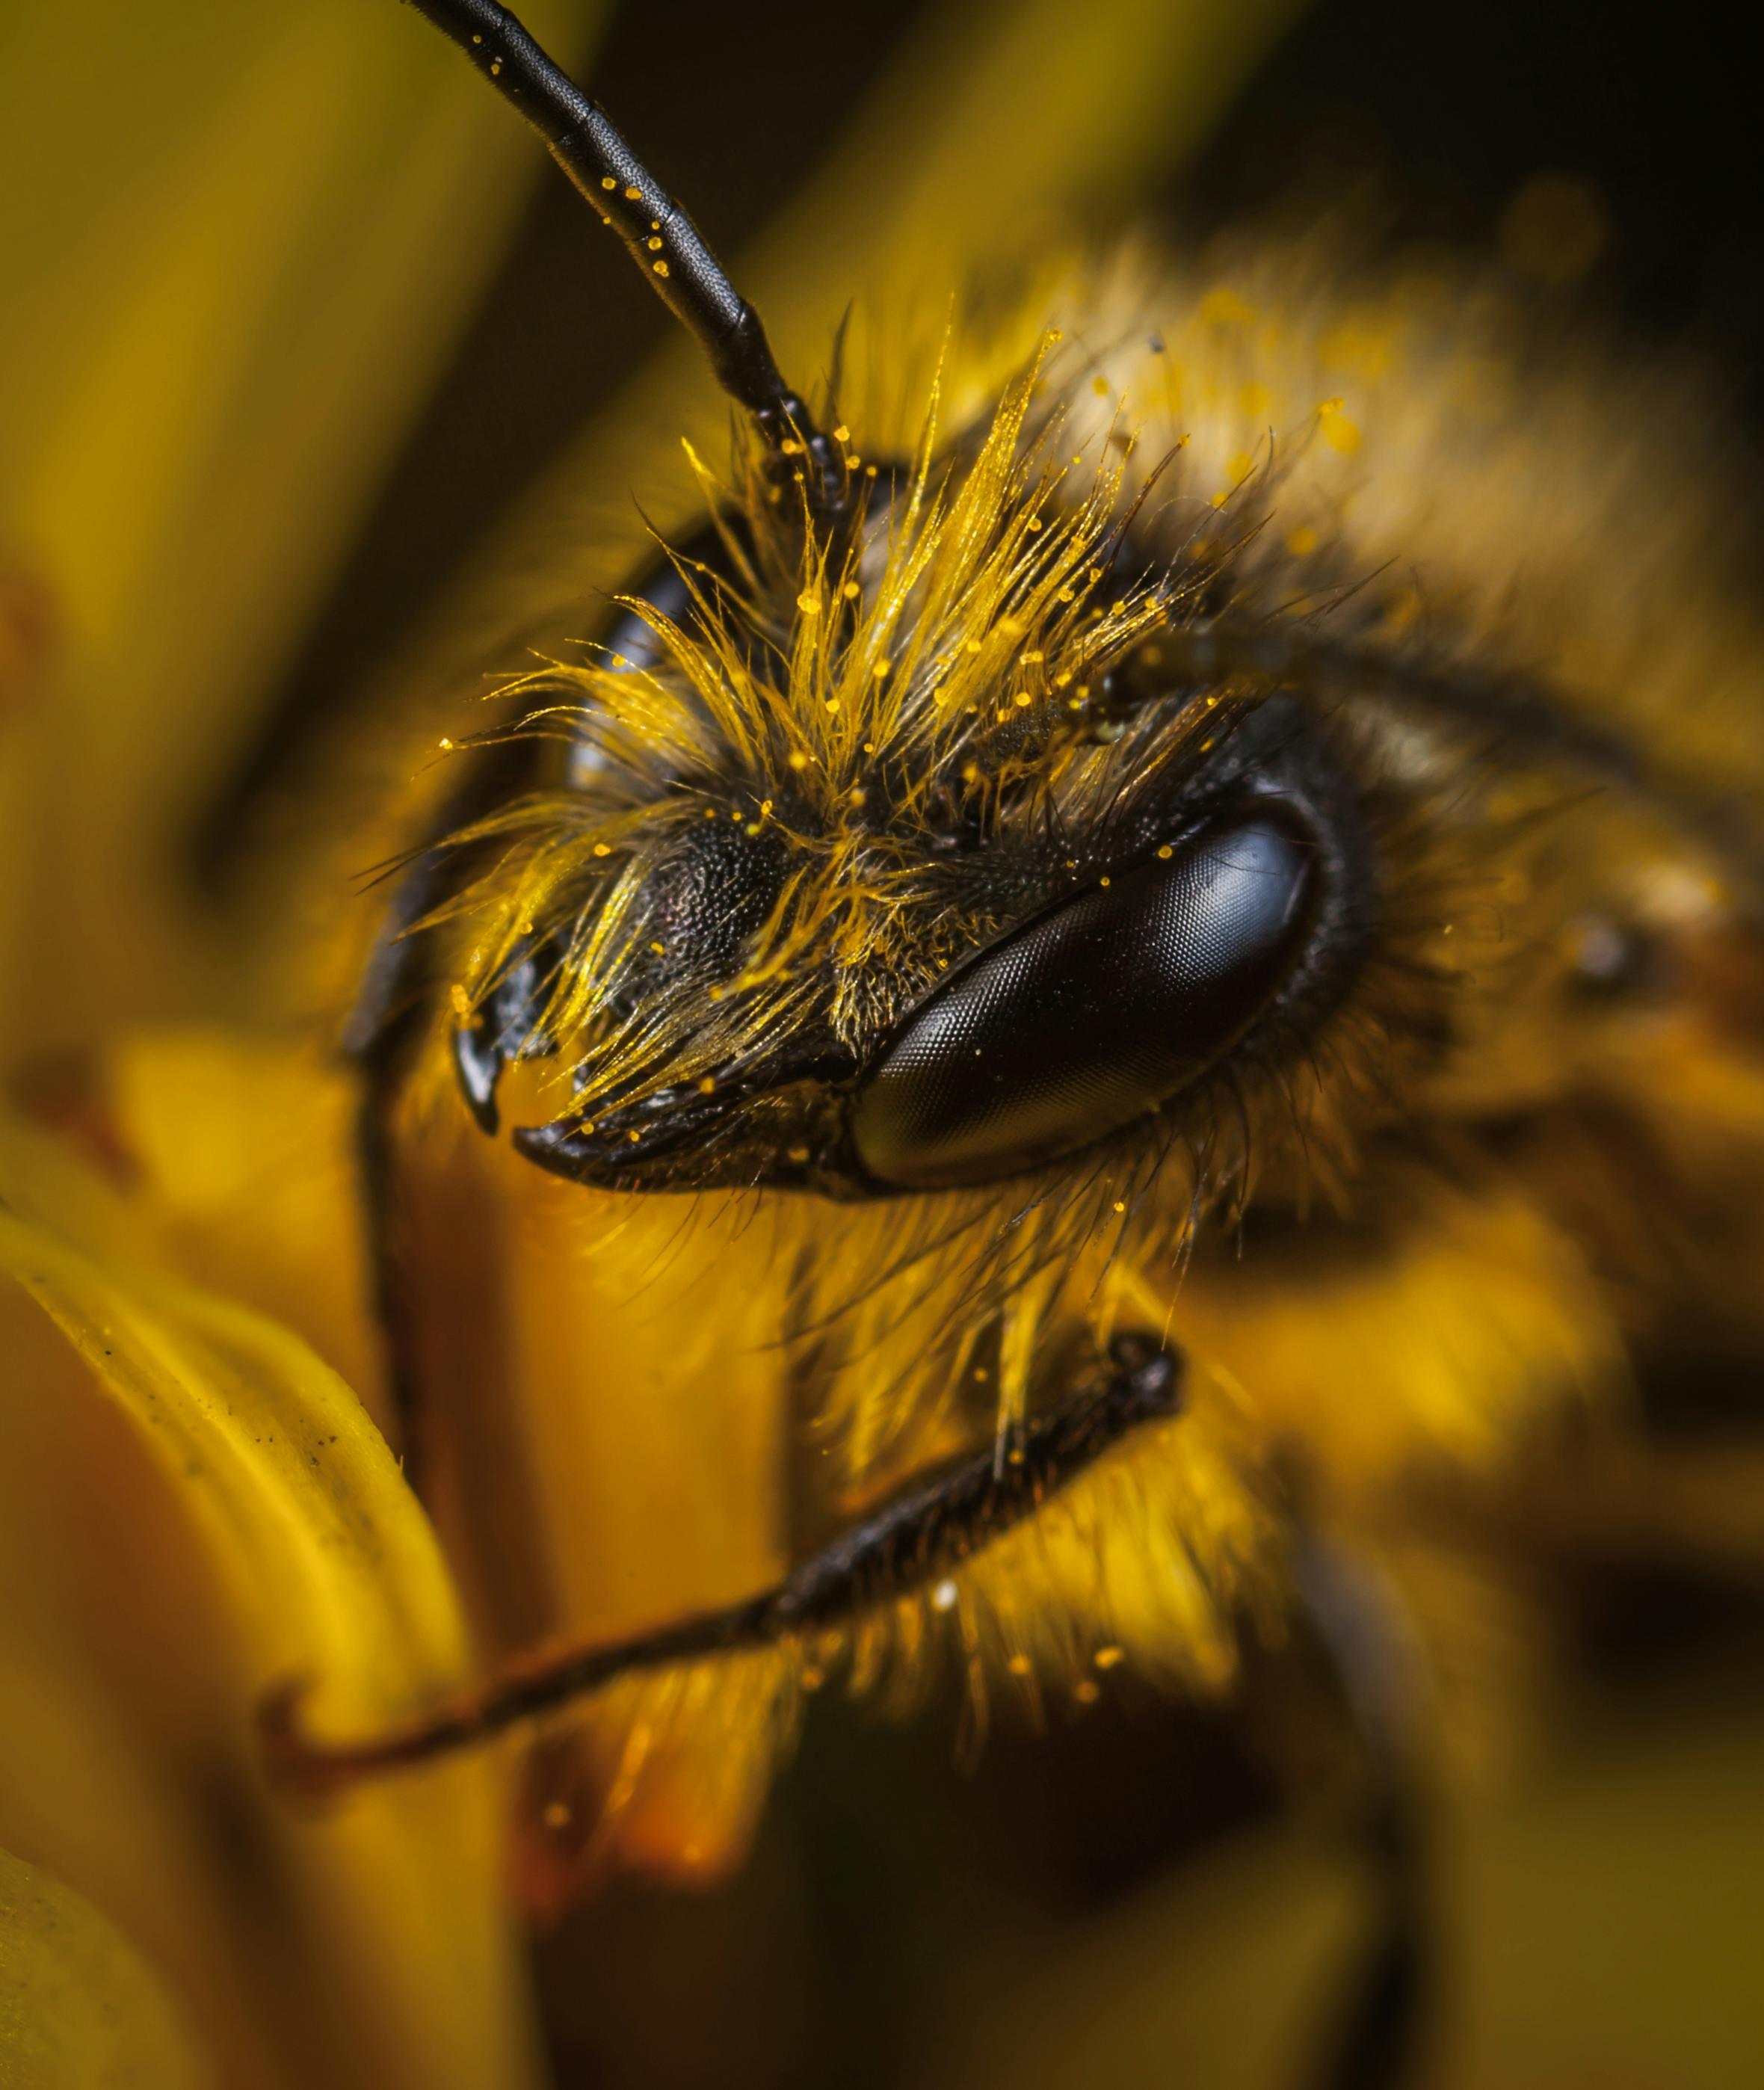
(973, 602)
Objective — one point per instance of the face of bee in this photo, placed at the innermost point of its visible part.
(1025, 929)
(1198, 845)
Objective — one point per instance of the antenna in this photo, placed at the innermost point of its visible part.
(659, 236)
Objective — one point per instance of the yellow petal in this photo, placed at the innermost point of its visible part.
(79, 2009)
(193, 1507)
(243, 1148)
(234, 244)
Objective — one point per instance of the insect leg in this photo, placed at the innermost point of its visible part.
(916, 1537)
(1376, 2042)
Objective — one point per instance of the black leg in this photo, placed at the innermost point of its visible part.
(1376, 2040)
(919, 1536)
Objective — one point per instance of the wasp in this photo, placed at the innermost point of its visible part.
(1081, 1000)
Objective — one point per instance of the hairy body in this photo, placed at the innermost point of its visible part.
(1467, 610)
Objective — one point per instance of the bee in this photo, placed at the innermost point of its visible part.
(1087, 998)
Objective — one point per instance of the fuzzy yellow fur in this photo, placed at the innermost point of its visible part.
(661, 1401)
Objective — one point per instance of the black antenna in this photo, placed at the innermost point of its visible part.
(661, 238)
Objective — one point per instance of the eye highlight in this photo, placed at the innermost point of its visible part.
(1096, 1013)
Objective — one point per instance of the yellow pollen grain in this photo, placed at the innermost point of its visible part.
(1110, 1658)
(1036, 523)
(601, 848)
(1120, 1206)
(653, 245)
(660, 267)
(831, 705)
(1087, 1692)
(706, 1086)
(1342, 435)
(446, 742)
(1024, 699)
(496, 67)
(660, 950)
(1104, 881)
(1166, 853)
(608, 182)
(1302, 541)
(790, 447)
(851, 591)
(809, 604)
(461, 1000)
(1100, 386)
(797, 760)
(841, 434)
(634, 1137)
(974, 646)
(884, 669)
(1212, 704)
(798, 1155)
(1018, 1664)
(635, 195)
(1029, 657)
(1220, 499)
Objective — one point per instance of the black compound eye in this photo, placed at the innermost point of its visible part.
(1094, 1014)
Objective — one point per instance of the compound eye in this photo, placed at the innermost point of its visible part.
(1094, 1014)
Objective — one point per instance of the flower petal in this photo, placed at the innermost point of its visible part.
(79, 2010)
(193, 1507)
(235, 243)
